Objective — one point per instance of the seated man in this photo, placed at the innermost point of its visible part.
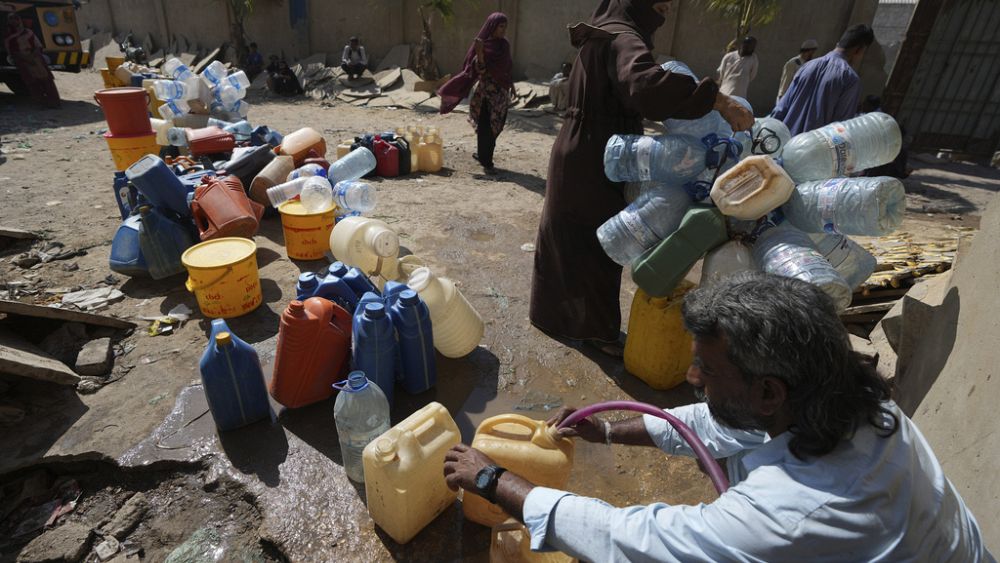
(281, 80)
(559, 88)
(825, 467)
(255, 62)
(354, 61)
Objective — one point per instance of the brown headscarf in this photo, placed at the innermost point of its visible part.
(637, 15)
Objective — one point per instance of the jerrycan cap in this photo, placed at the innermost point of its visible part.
(419, 279)
(223, 339)
(307, 279)
(355, 382)
(385, 243)
(337, 269)
(385, 449)
(296, 306)
(374, 311)
(408, 297)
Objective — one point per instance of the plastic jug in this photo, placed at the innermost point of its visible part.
(221, 208)
(162, 241)
(233, 380)
(314, 342)
(529, 448)
(359, 282)
(511, 543)
(430, 154)
(361, 414)
(125, 195)
(658, 347)
(344, 147)
(375, 347)
(404, 485)
(271, 175)
(159, 185)
(412, 322)
(726, 260)
(367, 244)
(661, 268)
(458, 328)
(298, 143)
(247, 163)
(386, 158)
(126, 256)
(306, 286)
(335, 289)
(391, 291)
(753, 188)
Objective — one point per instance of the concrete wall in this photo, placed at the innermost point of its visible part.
(890, 25)
(537, 31)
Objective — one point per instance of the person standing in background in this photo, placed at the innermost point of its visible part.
(806, 54)
(354, 61)
(738, 68)
(488, 67)
(559, 88)
(25, 52)
(827, 89)
(614, 84)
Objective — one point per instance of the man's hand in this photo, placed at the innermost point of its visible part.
(461, 464)
(589, 429)
(738, 117)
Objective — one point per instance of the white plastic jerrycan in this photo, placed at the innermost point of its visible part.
(752, 188)
(404, 482)
(726, 260)
(367, 244)
(457, 326)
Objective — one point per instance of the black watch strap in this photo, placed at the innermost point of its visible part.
(492, 493)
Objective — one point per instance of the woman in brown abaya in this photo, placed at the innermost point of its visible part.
(614, 84)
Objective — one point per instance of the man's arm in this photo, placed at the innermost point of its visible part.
(364, 55)
(847, 103)
(345, 57)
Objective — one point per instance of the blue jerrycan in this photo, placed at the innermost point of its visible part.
(306, 286)
(375, 347)
(126, 256)
(162, 242)
(412, 321)
(233, 380)
(334, 288)
(359, 282)
(160, 186)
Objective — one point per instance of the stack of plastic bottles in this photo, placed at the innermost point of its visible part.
(790, 202)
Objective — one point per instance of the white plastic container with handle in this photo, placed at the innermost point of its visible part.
(458, 328)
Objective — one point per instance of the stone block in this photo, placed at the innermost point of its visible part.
(69, 542)
(94, 358)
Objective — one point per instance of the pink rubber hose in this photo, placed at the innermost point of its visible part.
(700, 451)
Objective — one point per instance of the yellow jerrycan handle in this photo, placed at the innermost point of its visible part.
(439, 415)
(541, 434)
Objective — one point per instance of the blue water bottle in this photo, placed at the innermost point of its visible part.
(375, 347)
(233, 380)
(412, 321)
(306, 286)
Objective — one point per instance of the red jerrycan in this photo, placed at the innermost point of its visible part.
(313, 353)
(221, 208)
(386, 158)
(210, 140)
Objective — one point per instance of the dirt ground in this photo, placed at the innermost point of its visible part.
(294, 498)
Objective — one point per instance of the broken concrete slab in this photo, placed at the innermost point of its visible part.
(431, 105)
(18, 234)
(188, 58)
(430, 85)
(360, 83)
(398, 56)
(408, 100)
(22, 358)
(388, 79)
(38, 311)
(203, 64)
(128, 516)
(65, 342)
(366, 92)
(95, 358)
(69, 542)
(410, 79)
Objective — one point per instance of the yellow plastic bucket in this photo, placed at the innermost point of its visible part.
(114, 62)
(307, 235)
(127, 150)
(222, 274)
(658, 347)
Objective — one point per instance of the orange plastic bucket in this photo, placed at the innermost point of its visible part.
(127, 150)
(125, 110)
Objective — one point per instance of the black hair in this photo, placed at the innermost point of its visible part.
(253, 45)
(789, 329)
(860, 35)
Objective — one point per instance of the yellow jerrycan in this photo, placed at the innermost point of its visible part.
(658, 347)
(404, 478)
(511, 543)
(529, 448)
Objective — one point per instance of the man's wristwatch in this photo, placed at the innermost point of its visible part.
(486, 482)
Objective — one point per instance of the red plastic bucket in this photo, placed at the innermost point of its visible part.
(125, 110)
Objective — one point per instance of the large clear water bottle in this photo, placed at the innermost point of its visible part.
(840, 149)
(214, 73)
(850, 206)
(770, 137)
(307, 170)
(354, 196)
(283, 192)
(361, 414)
(652, 217)
(853, 263)
(787, 251)
(674, 159)
(316, 195)
(351, 166)
(633, 190)
(238, 81)
(240, 129)
(177, 70)
(167, 90)
(174, 109)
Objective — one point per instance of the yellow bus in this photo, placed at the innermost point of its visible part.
(54, 23)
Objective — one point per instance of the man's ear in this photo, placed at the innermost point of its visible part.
(771, 396)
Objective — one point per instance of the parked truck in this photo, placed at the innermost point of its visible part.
(54, 23)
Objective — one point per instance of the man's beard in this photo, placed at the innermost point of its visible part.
(734, 414)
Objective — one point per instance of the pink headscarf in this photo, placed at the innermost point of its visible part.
(499, 64)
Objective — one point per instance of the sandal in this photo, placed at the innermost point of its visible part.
(612, 349)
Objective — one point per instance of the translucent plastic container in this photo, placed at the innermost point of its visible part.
(316, 195)
(787, 251)
(751, 189)
(841, 149)
(367, 244)
(305, 171)
(177, 136)
(770, 136)
(283, 192)
(731, 258)
(173, 109)
(529, 448)
(853, 263)
(361, 414)
(404, 484)
(354, 196)
(177, 70)
(851, 206)
(273, 174)
(298, 143)
(214, 73)
(458, 328)
(674, 159)
(644, 223)
(355, 165)
(167, 90)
